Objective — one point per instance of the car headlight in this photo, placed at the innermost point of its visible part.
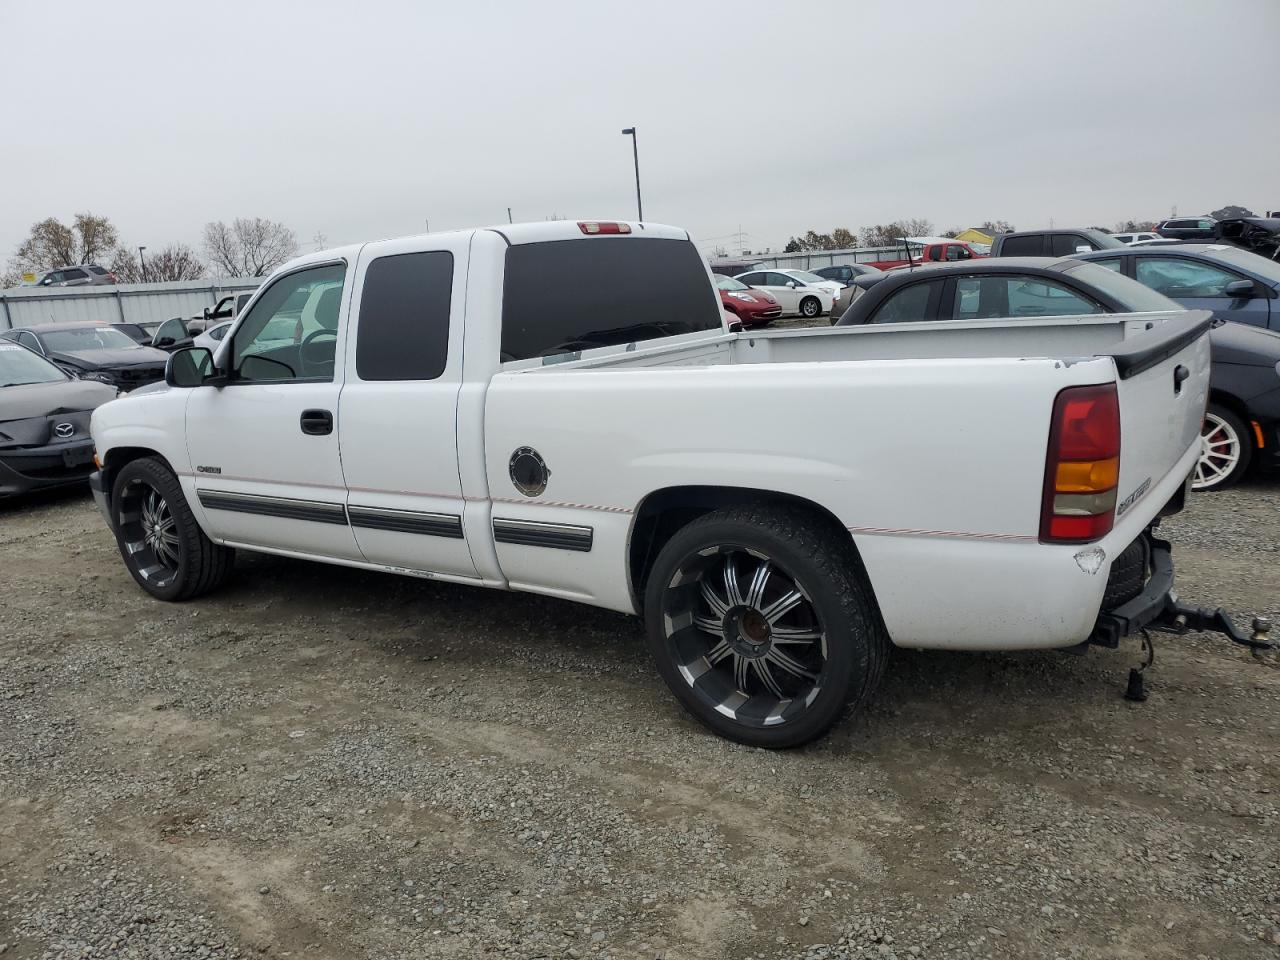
(745, 297)
(97, 375)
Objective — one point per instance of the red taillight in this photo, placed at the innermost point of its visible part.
(1082, 469)
(596, 227)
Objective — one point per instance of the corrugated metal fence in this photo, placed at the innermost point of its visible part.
(122, 303)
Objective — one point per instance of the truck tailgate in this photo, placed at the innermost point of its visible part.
(1163, 387)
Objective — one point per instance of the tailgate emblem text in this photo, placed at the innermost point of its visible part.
(1132, 498)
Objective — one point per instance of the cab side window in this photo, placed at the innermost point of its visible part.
(1178, 277)
(291, 332)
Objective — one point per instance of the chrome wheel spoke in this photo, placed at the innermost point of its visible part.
(759, 580)
(795, 634)
(766, 676)
(719, 652)
(782, 606)
(741, 673)
(789, 664)
(731, 582)
(710, 625)
(718, 606)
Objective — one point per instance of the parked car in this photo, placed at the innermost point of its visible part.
(755, 308)
(137, 332)
(1052, 243)
(843, 273)
(914, 251)
(1187, 228)
(44, 422)
(215, 334)
(227, 308)
(94, 351)
(796, 291)
(81, 275)
(1233, 283)
(1245, 381)
(1135, 237)
(622, 448)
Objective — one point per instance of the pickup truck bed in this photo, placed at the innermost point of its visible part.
(779, 507)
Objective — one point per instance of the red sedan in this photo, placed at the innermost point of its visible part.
(754, 308)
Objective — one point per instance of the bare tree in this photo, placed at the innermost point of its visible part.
(177, 261)
(55, 244)
(248, 248)
(888, 234)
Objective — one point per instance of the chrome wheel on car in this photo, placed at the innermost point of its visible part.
(1220, 452)
(745, 636)
(149, 532)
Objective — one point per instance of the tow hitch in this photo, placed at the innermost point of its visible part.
(1158, 608)
(1179, 618)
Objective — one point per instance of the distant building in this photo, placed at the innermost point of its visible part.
(975, 235)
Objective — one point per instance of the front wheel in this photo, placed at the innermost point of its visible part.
(810, 307)
(763, 625)
(1225, 450)
(162, 544)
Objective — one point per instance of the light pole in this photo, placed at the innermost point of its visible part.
(635, 153)
(142, 260)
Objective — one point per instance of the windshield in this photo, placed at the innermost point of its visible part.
(728, 283)
(87, 338)
(19, 366)
(809, 278)
(1131, 294)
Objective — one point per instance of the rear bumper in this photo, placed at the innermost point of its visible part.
(1151, 603)
(42, 468)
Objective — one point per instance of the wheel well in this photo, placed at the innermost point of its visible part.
(664, 512)
(1233, 404)
(117, 458)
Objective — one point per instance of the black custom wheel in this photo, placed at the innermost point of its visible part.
(762, 624)
(161, 543)
(810, 307)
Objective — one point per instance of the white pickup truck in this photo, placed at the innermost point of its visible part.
(779, 507)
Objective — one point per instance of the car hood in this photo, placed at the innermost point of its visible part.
(1242, 344)
(118, 357)
(48, 399)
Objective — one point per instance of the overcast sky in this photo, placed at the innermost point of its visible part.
(366, 120)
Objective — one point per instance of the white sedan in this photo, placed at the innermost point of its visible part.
(213, 336)
(797, 291)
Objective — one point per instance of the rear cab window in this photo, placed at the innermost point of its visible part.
(1029, 246)
(637, 289)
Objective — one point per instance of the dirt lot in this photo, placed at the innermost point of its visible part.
(319, 762)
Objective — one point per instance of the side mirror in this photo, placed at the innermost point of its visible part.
(1239, 288)
(164, 342)
(735, 326)
(192, 367)
(792, 284)
(207, 313)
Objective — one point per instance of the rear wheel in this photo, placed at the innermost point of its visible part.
(810, 307)
(161, 543)
(1225, 450)
(763, 625)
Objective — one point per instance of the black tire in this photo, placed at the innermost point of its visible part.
(163, 546)
(810, 308)
(1223, 436)
(722, 678)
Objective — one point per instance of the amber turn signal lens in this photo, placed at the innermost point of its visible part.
(1087, 476)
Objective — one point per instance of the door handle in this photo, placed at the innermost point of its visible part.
(316, 423)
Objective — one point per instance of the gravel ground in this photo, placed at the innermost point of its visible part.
(320, 762)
